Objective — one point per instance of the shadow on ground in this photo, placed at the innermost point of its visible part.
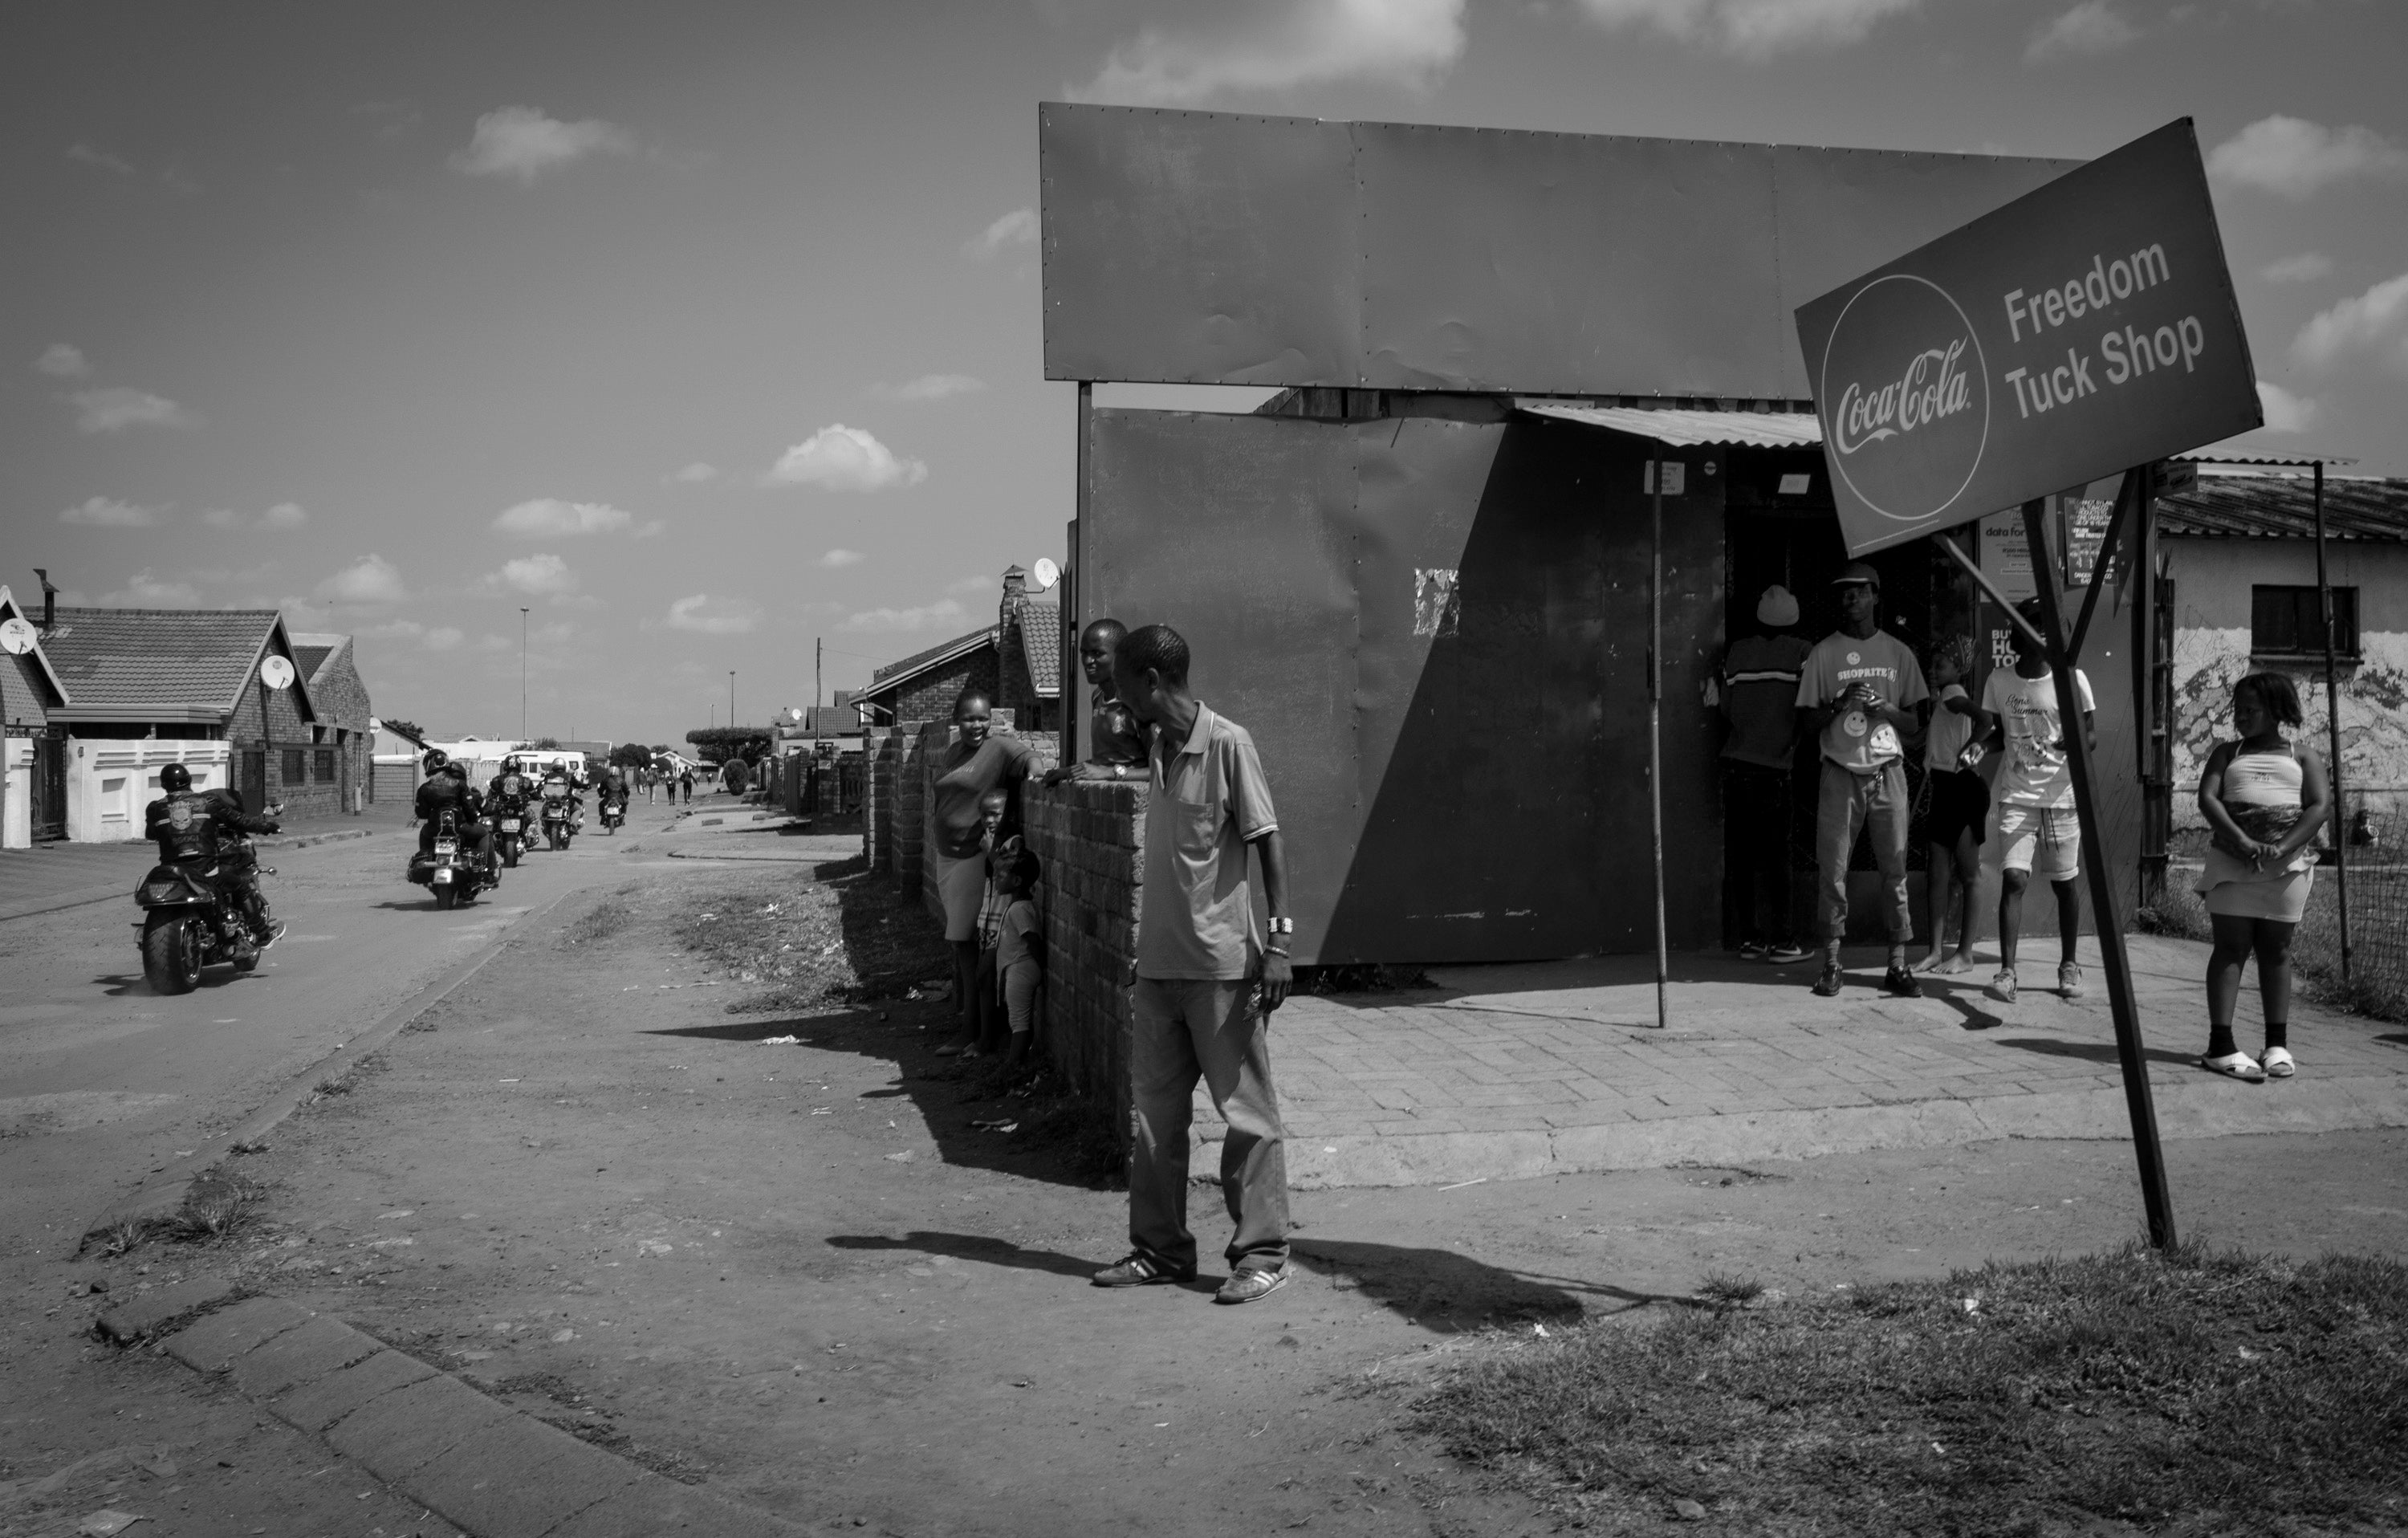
(2092, 1051)
(1439, 1289)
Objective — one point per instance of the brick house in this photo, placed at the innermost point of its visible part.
(33, 767)
(346, 720)
(147, 687)
(1017, 660)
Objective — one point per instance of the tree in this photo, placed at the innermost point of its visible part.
(631, 755)
(410, 729)
(547, 744)
(715, 744)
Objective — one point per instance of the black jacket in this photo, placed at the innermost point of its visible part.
(185, 823)
(449, 789)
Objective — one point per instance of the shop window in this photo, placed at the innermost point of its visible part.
(296, 768)
(2287, 621)
(324, 769)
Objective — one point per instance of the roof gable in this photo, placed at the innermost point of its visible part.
(35, 666)
(181, 662)
(898, 673)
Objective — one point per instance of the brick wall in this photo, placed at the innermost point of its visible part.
(931, 695)
(1089, 837)
(885, 751)
(306, 795)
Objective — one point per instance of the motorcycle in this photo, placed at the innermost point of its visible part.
(184, 920)
(509, 821)
(559, 822)
(614, 814)
(454, 876)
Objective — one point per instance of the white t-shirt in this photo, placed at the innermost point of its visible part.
(1945, 739)
(2034, 771)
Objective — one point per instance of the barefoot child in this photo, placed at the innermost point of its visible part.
(1020, 953)
(1960, 804)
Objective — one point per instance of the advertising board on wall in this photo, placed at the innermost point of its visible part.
(2085, 327)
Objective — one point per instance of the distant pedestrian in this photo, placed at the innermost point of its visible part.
(978, 760)
(2039, 834)
(2265, 800)
(685, 782)
(1207, 981)
(1859, 691)
(1758, 701)
(1959, 806)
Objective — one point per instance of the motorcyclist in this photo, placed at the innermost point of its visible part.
(560, 782)
(188, 826)
(446, 788)
(513, 785)
(611, 790)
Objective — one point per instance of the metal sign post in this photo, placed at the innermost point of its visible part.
(2333, 728)
(1661, 470)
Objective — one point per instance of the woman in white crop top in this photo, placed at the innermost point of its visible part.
(2264, 798)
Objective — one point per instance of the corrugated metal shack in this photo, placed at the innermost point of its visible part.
(1421, 575)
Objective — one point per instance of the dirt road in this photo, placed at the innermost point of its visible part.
(806, 1276)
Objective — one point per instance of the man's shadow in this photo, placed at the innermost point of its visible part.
(1447, 1292)
(973, 1246)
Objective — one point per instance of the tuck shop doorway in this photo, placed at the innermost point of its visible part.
(1924, 596)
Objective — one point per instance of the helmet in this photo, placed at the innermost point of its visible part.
(510, 764)
(435, 760)
(175, 777)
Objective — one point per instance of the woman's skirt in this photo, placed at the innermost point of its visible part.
(961, 886)
(2281, 897)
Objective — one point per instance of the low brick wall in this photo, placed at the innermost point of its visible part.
(1089, 836)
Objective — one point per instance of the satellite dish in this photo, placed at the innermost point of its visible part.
(276, 673)
(1045, 573)
(16, 636)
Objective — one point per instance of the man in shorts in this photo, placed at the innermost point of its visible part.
(2037, 831)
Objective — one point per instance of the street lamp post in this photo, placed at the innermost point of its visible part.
(523, 674)
(731, 699)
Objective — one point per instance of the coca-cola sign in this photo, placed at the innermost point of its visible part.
(1904, 417)
(2081, 330)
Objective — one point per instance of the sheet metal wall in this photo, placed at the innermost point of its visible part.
(1211, 248)
(1476, 796)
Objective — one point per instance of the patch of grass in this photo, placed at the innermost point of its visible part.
(1724, 1291)
(598, 923)
(2234, 1393)
(122, 1237)
(808, 945)
(219, 1208)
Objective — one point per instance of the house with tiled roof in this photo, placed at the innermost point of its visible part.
(1017, 661)
(2239, 553)
(346, 722)
(147, 687)
(33, 758)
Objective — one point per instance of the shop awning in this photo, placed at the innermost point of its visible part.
(1685, 428)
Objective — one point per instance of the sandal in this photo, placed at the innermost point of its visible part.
(2278, 1063)
(2235, 1065)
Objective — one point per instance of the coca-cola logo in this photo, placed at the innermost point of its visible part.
(1907, 398)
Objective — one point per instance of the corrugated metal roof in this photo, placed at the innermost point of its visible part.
(2282, 507)
(1684, 428)
(177, 659)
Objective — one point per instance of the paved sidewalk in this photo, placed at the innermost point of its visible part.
(1546, 1069)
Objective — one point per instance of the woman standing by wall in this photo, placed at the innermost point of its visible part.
(977, 761)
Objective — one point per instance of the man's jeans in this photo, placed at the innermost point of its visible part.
(1212, 1029)
(1755, 833)
(1876, 802)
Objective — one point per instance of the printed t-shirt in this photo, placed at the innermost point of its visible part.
(1119, 734)
(959, 778)
(2034, 771)
(1210, 797)
(1854, 740)
(1760, 693)
(1949, 732)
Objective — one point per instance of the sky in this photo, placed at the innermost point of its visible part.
(710, 334)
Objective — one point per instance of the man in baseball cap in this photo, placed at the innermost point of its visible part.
(1859, 689)
(1757, 695)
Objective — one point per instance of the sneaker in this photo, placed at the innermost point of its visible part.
(2068, 981)
(2278, 1063)
(275, 932)
(1827, 985)
(1754, 950)
(1137, 1270)
(2236, 1065)
(2002, 987)
(1901, 984)
(1249, 1283)
(1782, 953)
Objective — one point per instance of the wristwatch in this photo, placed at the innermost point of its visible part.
(1119, 771)
(1283, 925)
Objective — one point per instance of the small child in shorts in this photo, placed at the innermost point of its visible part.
(1020, 953)
(982, 1017)
(1961, 805)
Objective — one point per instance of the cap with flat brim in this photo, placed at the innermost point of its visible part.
(1857, 572)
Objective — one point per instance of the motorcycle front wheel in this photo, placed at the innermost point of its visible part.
(511, 854)
(445, 896)
(171, 952)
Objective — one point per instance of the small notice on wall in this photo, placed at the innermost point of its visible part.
(1676, 477)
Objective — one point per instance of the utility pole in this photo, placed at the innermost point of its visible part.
(522, 675)
(731, 699)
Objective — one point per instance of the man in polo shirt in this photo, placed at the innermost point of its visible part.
(1859, 691)
(1207, 981)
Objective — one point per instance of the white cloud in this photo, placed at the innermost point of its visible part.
(929, 387)
(2373, 324)
(282, 516)
(525, 142)
(61, 361)
(2284, 411)
(695, 474)
(836, 559)
(2090, 28)
(441, 637)
(1016, 228)
(539, 576)
(109, 513)
(1754, 29)
(842, 458)
(144, 591)
(2306, 267)
(975, 584)
(548, 517)
(84, 154)
(371, 579)
(2295, 157)
(713, 616)
(113, 408)
(1273, 45)
(944, 612)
